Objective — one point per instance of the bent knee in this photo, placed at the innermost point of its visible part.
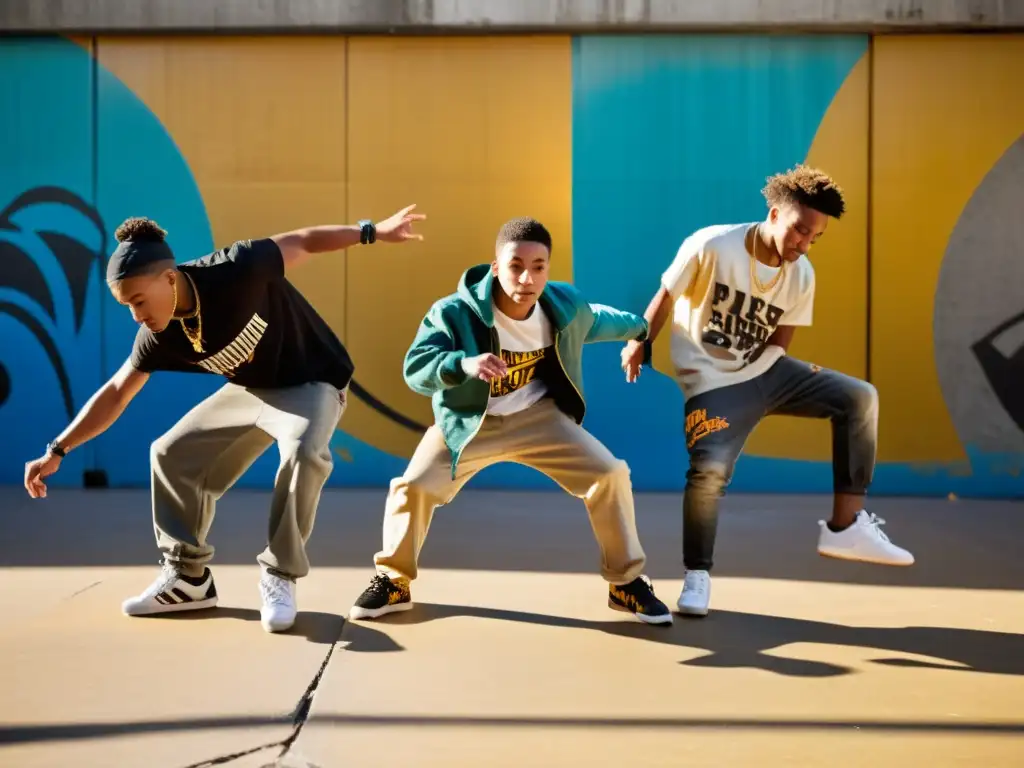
(429, 485)
(307, 454)
(861, 398)
(708, 475)
(163, 448)
(615, 468)
(610, 472)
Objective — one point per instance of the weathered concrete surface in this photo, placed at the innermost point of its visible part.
(502, 15)
(512, 656)
(86, 686)
(519, 669)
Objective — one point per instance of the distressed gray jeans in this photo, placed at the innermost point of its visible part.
(719, 421)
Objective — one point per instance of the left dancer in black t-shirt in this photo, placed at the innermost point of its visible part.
(235, 314)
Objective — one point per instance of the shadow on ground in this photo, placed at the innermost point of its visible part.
(316, 627)
(965, 544)
(735, 640)
(23, 734)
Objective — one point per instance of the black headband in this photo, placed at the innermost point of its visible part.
(131, 257)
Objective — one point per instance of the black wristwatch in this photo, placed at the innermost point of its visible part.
(367, 232)
(55, 449)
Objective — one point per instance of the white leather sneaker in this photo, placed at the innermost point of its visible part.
(863, 541)
(278, 594)
(696, 594)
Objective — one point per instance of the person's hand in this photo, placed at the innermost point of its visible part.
(632, 356)
(398, 228)
(484, 367)
(36, 470)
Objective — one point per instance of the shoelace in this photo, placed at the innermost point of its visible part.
(695, 582)
(168, 575)
(379, 585)
(875, 523)
(644, 593)
(275, 590)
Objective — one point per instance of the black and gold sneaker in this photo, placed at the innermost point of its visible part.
(383, 596)
(638, 598)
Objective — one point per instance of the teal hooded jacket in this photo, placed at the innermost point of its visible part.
(461, 325)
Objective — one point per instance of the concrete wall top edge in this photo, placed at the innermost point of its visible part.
(35, 16)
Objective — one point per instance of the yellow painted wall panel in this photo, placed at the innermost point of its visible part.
(474, 131)
(261, 123)
(838, 338)
(946, 108)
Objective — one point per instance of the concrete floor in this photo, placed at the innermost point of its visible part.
(512, 657)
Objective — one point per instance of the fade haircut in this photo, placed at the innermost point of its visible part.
(523, 230)
(806, 186)
(139, 229)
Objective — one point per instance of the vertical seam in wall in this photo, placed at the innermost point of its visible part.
(573, 56)
(870, 201)
(348, 174)
(94, 128)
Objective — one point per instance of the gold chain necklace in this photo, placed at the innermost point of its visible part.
(196, 336)
(755, 281)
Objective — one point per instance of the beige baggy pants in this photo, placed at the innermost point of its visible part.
(542, 437)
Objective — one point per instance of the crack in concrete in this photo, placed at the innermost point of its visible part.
(299, 716)
(301, 713)
(84, 589)
(235, 756)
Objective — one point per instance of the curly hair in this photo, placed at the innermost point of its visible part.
(139, 229)
(806, 186)
(523, 230)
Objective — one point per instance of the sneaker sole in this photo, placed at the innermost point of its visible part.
(839, 555)
(357, 613)
(275, 628)
(642, 617)
(157, 608)
(695, 612)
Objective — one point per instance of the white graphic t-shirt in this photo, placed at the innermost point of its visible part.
(526, 345)
(721, 318)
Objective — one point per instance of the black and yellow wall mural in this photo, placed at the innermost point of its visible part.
(621, 145)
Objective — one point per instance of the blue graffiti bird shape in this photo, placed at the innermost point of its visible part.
(50, 240)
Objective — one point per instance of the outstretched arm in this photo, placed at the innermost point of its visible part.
(96, 416)
(638, 353)
(657, 312)
(298, 245)
(675, 282)
(612, 324)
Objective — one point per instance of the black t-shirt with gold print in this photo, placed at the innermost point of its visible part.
(257, 329)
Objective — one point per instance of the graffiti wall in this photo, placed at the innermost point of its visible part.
(622, 145)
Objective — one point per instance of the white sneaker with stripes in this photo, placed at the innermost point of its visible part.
(173, 591)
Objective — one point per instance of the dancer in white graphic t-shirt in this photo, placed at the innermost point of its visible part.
(736, 294)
